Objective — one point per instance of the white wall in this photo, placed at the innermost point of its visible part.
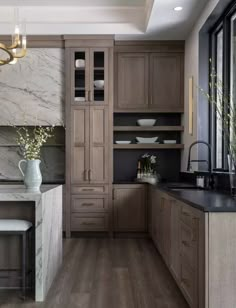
(192, 69)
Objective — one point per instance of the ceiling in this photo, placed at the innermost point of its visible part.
(127, 19)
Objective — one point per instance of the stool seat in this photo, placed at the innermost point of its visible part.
(18, 225)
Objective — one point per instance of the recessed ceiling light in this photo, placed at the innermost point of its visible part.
(178, 8)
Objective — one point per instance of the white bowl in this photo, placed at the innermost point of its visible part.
(123, 142)
(169, 141)
(99, 84)
(146, 122)
(79, 63)
(147, 140)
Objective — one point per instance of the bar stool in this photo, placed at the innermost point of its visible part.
(18, 227)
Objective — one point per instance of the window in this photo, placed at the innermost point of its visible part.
(223, 56)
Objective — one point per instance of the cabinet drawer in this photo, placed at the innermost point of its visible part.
(89, 223)
(188, 285)
(89, 204)
(89, 189)
(188, 246)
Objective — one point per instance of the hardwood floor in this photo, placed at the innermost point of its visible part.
(108, 273)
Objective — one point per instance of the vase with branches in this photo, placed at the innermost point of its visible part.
(224, 107)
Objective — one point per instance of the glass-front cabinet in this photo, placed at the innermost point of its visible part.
(90, 76)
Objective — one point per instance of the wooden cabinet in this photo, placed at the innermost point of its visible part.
(149, 81)
(175, 239)
(130, 208)
(166, 82)
(89, 108)
(89, 65)
(132, 77)
(89, 151)
(161, 224)
(176, 234)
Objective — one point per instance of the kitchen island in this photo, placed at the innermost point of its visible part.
(46, 207)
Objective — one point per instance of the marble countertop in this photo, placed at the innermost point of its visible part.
(19, 192)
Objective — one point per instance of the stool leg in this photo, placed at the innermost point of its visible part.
(23, 264)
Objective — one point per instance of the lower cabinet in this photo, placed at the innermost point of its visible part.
(130, 208)
(90, 208)
(176, 233)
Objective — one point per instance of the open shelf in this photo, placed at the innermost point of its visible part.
(148, 146)
(148, 128)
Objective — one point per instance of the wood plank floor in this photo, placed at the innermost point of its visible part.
(108, 273)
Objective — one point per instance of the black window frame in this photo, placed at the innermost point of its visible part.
(223, 23)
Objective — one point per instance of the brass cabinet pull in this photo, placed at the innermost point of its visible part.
(90, 174)
(87, 189)
(194, 236)
(87, 204)
(86, 95)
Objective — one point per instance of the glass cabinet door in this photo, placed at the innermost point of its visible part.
(80, 76)
(98, 76)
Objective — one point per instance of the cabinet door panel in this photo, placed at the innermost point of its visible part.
(98, 145)
(175, 239)
(132, 79)
(130, 209)
(166, 82)
(80, 145)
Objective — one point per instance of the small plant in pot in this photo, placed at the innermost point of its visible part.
(31, 142)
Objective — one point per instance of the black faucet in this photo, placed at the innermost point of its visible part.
(209, 161)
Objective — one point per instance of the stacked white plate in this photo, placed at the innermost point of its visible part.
(146, 140)
(123, 142)
(169, 141)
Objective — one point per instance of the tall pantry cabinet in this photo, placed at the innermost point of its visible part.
(89, 110)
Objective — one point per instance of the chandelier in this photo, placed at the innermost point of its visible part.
(17, 49)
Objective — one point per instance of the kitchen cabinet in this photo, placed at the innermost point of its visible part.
(89, 108)
(130, 208)
(166, 82)
(177, 235)
(149, 81)
(89, 75)
(89, 145)
(132, 77)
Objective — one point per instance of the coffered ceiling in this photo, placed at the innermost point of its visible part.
(127, 19)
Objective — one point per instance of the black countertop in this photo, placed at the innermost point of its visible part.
(204, 200)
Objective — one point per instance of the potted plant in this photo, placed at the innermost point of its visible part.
(31, 142)
(148, 169)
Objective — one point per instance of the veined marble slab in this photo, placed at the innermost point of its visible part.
(52, 163)
(32, 90)
(48, 231)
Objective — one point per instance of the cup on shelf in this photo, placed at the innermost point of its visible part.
(80, 63)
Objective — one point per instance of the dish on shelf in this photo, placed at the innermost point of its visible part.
(157, 142)
(123, 142)
(146, 140)
(80, 63)
(146, 122)
(80, 99)
(99, 84)
(169, 141)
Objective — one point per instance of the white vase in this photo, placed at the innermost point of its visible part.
(32, 175)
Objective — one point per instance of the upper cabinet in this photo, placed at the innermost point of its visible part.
(151, 80)
(89, 76)
(132, 78)
(166, 82)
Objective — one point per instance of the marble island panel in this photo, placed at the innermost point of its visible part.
(48, 230)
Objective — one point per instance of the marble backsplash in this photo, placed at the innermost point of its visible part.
(32, 90)
(52, 156)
